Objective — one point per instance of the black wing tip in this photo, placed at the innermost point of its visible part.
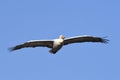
(11, 49)
(14, 48)
(103, 40)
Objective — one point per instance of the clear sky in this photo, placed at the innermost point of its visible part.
(24, 20)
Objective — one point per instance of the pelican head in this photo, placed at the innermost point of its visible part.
(61, 37)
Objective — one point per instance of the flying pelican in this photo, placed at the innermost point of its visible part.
(57, 44)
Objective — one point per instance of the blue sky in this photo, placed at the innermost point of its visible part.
(23, 20)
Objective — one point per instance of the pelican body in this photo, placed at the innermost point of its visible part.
(57, 44)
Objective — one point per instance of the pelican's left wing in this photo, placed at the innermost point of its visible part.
(34, 43)
(84, 39)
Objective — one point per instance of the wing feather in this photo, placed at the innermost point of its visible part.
(36, 43)
(84, 39)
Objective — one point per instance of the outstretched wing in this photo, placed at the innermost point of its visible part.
(34, 43)
(84, 39)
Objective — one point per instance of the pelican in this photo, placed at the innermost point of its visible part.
(57, 44)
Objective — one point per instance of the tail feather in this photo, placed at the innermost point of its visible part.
(52, 51)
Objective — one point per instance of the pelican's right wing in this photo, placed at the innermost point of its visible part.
(34, 43)
(79, 39)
